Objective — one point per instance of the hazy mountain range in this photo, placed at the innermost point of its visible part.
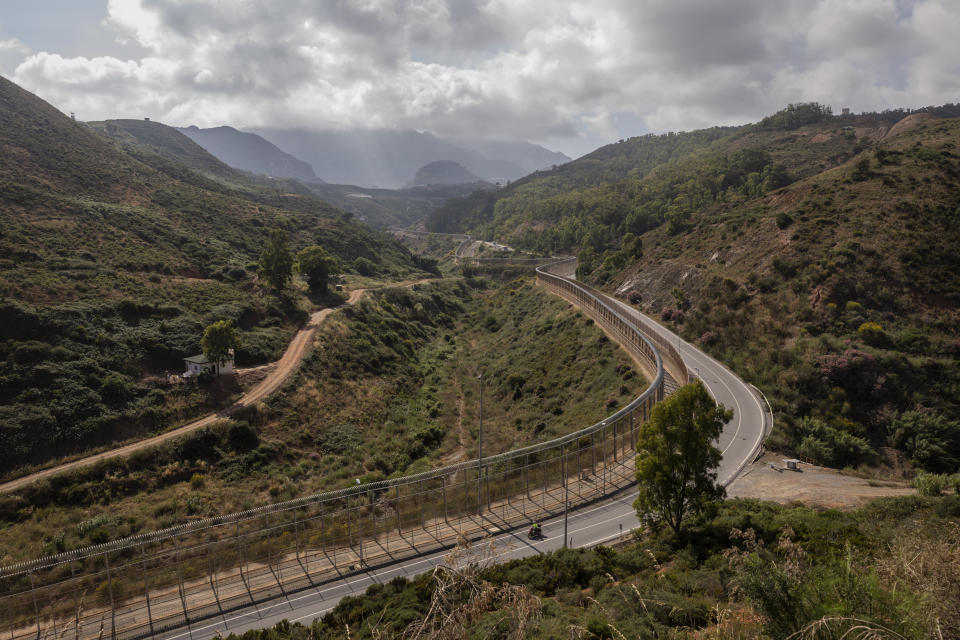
(370, 158)
(250, 152)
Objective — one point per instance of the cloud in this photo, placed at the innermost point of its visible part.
(12, 52)
(537, 69)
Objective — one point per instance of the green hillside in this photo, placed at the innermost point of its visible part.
(116, 249)
(838, 295)
(815, 254)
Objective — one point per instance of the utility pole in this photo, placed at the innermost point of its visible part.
(566, 491)
(480, 452)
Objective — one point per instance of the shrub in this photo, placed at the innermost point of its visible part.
(931, 441)
(784, 220)
(242, 437)
(930, 484)
(830, 446)
(364, 266)
(197, 480)
(872, 333)
(199, 445)
(709, 338)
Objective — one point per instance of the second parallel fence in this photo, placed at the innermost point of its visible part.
(144, 585)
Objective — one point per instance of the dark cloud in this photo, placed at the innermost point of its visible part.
(537, 69)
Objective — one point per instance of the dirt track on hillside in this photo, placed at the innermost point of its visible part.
(284, 368)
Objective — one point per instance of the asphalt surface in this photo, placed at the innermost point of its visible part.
(587, 526)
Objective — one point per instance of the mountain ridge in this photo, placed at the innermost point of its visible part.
(388, 158)
(250, 152)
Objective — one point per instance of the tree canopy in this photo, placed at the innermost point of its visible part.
(276, 261)
(677, 458)
(218, 339)
(316, 265)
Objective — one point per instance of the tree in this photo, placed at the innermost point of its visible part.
(276, 261)
(677, 459)
(218, 339)
(316, 265)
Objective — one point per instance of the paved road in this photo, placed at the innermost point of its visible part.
(590, 525)
(741, 438)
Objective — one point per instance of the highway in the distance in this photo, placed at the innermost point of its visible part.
(587, 526)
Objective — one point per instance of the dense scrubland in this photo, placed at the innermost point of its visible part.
(816, 254)
(119, 243)
(390, 387)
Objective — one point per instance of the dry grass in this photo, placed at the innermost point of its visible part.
(461, 598)
(932, 570)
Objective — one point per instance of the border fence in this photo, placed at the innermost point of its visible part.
(148, 584)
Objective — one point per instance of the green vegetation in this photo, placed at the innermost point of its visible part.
(316, 265)
(677, 460)
(390, 387)
(118, 244)
(218, 340)
(815, 254)
(276, 261)
(747, 570)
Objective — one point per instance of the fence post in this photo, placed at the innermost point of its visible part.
(526, 476)
(543, 496)
(214, 582)
(183, 599)
(323, 532)
(360, 536)
(113, 608)
(349, 527)
(399, 523)
(443, 489)
(146, 588)
(76, 602)
(421, 501)
(603, 457)
(36, 607)
(296, 535)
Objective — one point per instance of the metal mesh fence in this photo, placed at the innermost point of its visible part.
(143, 585)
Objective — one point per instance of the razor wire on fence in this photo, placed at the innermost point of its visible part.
(144, 585)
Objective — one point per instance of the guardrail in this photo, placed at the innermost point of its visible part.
(143, 585)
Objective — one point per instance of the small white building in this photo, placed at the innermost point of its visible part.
(195, 365)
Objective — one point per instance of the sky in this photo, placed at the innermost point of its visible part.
(571, 75)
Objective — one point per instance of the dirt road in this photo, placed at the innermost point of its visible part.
(284, 368)
(767, 479)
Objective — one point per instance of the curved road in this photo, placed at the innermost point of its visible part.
(588, 526)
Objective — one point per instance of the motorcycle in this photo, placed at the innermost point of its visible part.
(535, 532)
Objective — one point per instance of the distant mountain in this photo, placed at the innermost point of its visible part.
(250, 152)
(443, 172)
(531, 157)
(390, 158)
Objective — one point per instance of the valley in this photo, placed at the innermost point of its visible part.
(808, 254)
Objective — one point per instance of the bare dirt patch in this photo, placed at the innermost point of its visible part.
(908, 123)
(251, 376)
(811, 485)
